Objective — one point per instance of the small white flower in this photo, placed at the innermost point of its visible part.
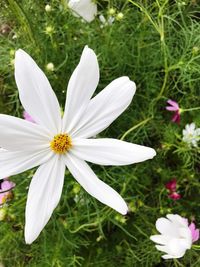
(86, 9)
(191, 134)
(106, 22)
(55, 142)
(175, 237)
(15, 36)
(102, 19)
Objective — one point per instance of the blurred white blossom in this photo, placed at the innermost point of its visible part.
(191, 134)
(106, 22)
(86, 9)
(176, 236)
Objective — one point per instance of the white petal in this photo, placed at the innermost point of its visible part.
(166, 227)
(107, 151)
(43, 196)
(186, 235)
(21, 135)
(192, 126)
(160, 239)
(167, 256)
(104, 108)
(95, 187)
(12, 163)
(177, 219)
(35, 92)
(162, 248)
(81, 87)
(176, 247)
(87, 9)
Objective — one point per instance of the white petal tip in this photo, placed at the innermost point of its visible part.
(30, 237)
(28, 240)
(20, 55)
(152, 238)
(123, 210)
(153, 153)
(19, 52)
(87, 49)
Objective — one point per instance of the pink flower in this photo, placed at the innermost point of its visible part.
(27, 117)
(5, 190)
(174, 196)
(174, 107)
(194, 231)
(171, 185)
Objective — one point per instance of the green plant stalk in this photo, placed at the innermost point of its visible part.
(23, 20)
(135, 127)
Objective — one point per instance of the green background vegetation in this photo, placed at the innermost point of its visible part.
(156, 44)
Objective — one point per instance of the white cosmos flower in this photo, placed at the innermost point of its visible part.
(191, 134)
(175, 236)
(54, 142)
(86, 9)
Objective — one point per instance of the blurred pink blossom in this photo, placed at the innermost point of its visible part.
(194, 231)
(174, 107)
(174, 196)
(27, 117)
(5, 190)
(171, 185)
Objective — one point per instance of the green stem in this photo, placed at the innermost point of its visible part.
(23, 20)
(86, 225)
(189, 109)
(196, 247)
(177, 263)
(135, 127)
(147, 14)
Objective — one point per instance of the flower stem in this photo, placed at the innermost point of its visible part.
(177, 263)
(135, 127)
(196, 247)
(189, 109)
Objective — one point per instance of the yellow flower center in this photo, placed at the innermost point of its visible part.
(61, 143)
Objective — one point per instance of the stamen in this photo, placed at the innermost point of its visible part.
(61, 143)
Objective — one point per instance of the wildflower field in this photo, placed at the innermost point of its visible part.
(107, 176)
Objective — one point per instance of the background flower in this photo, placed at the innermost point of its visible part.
(174, 107)
(27, 117)
(86, 9)
(5, 190)
(194, 231)
(171, 185)
(175, 236)
(174, 195)
(191, 134)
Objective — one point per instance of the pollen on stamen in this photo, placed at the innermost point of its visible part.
(61, 143)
